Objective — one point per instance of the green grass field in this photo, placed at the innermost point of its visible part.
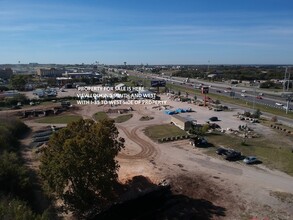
(123, 118)
(100, 116)
(146, 118)
(103, 115)
(273, 152)
(60, 119)
(156, 132)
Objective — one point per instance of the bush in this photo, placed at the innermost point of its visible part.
(14, 100)
(10, 130)
(14, 177)
(217, 102)
(269, 84)
(274, 119)
(11, 208)
(4, 88)
(256, 114)
(247, 114)
(205, 128)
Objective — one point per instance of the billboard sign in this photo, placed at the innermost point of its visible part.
(158, 83)
(204, 90)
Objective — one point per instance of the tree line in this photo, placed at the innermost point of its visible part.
(78, 167)
(234, 72)
(15, 181)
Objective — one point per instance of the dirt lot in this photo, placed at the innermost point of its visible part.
(244, 191)
(241, 191)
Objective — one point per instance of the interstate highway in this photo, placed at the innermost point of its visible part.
(250, 94)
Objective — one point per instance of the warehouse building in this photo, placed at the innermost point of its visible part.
(181, 122)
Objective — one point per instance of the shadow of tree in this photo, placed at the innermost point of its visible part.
(144, 200)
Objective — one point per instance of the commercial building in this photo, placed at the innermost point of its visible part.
(181, 122)
(49, 72)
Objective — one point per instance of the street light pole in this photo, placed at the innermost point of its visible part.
(287, 106)
(285, 78)
(253, 97)
(288, 99)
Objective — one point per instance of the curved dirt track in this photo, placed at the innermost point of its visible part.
(147, 149)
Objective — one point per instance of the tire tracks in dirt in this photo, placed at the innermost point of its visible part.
(147, 149)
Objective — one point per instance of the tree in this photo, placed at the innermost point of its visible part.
(247, 114)
(217, 102)
(199, 130)
(14, 178)
(274, 119)
(3, 88)
(269, 84)
(18, 81)
(103, 71)
(79, 165)
(15, 99)
(256, 114)
(12, 208)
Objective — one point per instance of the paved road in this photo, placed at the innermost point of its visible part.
(216, 88)
(248, 94)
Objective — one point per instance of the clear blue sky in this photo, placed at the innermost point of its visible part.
(147, 31)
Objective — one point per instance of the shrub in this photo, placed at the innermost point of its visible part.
(10, 130)
(13, 175)
(247, 114)
(11, 208)
(256, 114)
(274, 119)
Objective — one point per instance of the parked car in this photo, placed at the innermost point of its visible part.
(198, 142)
(219, 91)
(243, 95)
(279, 104)
(258, 97)
(222, 151)
(214, 126)
(233, 155)
(251, 160)
(213, 119)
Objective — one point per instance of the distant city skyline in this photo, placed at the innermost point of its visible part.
(150, 32)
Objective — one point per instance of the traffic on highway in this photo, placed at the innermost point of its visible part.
(248, 94)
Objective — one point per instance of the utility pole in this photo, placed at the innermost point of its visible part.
(253, 97)
(288, 99)
(285, 78)
(208, 66)
(288, 81)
